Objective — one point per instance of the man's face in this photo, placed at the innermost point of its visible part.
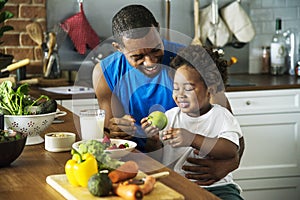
(145, 54)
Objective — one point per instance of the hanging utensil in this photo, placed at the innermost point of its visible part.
(168, 11)
(215, 19)
(35, 32)
(51, 45)
(196, 40)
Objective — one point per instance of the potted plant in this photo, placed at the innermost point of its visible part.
(4, 15)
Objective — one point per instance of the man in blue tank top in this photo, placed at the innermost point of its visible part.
(135, 80)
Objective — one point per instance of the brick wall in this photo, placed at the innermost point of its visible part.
(17, 42)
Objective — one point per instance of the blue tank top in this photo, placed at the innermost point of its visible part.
(139, 94)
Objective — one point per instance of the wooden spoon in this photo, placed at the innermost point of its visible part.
(196, 40)
(35, 32)
(51, 45)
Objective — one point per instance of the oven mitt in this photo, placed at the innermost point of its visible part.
(80, 32)
(207, 28)
(238, 22)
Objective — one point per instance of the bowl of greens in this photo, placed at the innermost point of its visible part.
(26, 114)
(11, 146)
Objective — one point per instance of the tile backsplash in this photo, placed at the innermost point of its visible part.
(263, 14)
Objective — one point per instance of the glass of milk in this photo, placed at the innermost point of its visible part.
(92, 123)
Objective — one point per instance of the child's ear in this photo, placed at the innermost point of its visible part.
(212, 90)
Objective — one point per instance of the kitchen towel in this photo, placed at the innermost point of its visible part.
(207, 28)
(81, 32)
(238, 22)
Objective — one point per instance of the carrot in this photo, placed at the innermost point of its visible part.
(148, 185)
(126, 171)
(128, 191)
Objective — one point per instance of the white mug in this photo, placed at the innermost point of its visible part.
(92, 123)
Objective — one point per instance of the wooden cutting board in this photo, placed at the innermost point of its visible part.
(60, 183)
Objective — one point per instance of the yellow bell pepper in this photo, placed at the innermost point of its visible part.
(80, 168)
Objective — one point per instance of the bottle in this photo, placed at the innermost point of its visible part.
(291, 49)
(278, 51)
(265, 60)
(297, 69)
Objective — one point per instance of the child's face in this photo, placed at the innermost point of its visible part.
(190, 93)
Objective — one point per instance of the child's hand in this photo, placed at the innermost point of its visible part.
(178, 137)
(149, 130)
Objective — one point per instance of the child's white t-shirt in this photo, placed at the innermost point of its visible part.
(218, 122)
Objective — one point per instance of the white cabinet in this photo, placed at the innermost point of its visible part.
(75, 105)
(270, 121)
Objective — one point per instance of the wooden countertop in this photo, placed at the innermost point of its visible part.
(246, 82)
(26, 177)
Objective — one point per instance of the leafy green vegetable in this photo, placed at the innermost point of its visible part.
(17, 102)
(97, 148)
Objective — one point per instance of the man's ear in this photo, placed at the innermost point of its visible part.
(117, 46)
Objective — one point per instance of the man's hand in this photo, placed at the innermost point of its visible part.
(123, 128)
(210, 170)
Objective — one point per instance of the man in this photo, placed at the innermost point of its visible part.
(135, 80)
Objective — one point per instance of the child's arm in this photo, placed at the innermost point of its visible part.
(218, 148)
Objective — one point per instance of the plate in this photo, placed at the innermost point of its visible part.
(113, 153)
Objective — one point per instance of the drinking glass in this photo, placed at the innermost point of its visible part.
(92, 123)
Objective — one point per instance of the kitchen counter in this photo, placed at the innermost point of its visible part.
(26, 177)
(246, 82)
(236, 82)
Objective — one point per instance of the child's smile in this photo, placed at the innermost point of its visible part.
(190, 92)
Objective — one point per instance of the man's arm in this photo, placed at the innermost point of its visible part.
(119, 124)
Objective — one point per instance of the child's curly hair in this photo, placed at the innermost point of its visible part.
(210, 65)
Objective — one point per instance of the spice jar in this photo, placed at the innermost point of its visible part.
(265, 60)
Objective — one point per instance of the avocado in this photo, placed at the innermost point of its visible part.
(100, 184)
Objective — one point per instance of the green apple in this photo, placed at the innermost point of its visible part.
(158, 119)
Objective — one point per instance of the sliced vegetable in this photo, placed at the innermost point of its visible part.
(126, 171)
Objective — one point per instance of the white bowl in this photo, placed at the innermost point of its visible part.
(113, 153)
(31, 125)
(59, 141)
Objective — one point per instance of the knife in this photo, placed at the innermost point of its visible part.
(142, 180)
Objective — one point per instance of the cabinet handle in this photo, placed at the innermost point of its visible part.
(248, 103)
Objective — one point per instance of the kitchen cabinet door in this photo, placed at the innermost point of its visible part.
(271, 189)
(272, 146)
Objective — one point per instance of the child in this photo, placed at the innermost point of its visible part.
(195, 123)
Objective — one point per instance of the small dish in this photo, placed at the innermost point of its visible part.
(59, 141)
(113, 153)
